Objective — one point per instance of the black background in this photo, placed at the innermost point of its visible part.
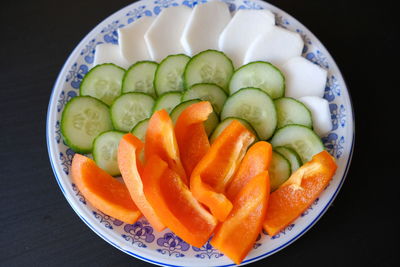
(38, 227)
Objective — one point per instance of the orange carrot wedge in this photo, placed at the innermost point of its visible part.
(175, 205)
(103, 191)
(256, 160)
(130, 166)
(191, 136)
(214, 171)
(161, 141)
(294, 196)
(235, 237)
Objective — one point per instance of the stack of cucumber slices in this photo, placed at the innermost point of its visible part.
(114, 101)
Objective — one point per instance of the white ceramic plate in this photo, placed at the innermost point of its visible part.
(165, 248)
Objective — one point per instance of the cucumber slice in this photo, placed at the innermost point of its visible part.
(129, 109)
(210, 124)
(299, 138)
(105, 148)
(209, 66)
(279, 170)
(103, 82)
(292, 111)
(168, 101)
(140, 77)
(223, 124)
(140, 129)
(256, 107)
(259, 74)
(291, 156)
(169, 74)
(207, 92)
(84, 118)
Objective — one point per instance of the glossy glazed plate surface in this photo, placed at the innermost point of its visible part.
(165, 248)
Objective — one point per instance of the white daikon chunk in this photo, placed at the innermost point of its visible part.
(321, 114)
(131, 40)
(275, 46)
(164, 35)
(303, 78)
(109, 53)
(204, 27)
(241, 32)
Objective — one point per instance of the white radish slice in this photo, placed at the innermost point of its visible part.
(204, 27)
(303, 78)
(109, 53)
(164, 35)
(242, 30)
(320, 112)
(131, 40)
(276, 46)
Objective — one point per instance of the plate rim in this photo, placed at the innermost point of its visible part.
(351, 128)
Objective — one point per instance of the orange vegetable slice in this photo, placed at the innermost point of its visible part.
(235, 237)
(161, 141)
(191, 136)
(174, 203)
(130, 166)
(294, 196)
(214, 171)
(102, 190)
(256, 160)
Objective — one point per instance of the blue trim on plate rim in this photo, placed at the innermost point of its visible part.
(166, 264)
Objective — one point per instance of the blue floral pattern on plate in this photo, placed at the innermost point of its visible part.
(140, 236)
(108, 221)
(139, 233)
(110, 33)
(334, 144)
(250, 5)
(161, 4)
(58, 131)
(78, 194)
(207, 251)
(284, 231)
(192, 3)
(64, 98)
(318, 58)
(338, 115)
(137, 13)
(310, 208)
(75, 75)
(66, 159)
(88, 51)
(172, 245)
(332, 88)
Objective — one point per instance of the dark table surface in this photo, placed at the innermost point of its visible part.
(38, 227)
